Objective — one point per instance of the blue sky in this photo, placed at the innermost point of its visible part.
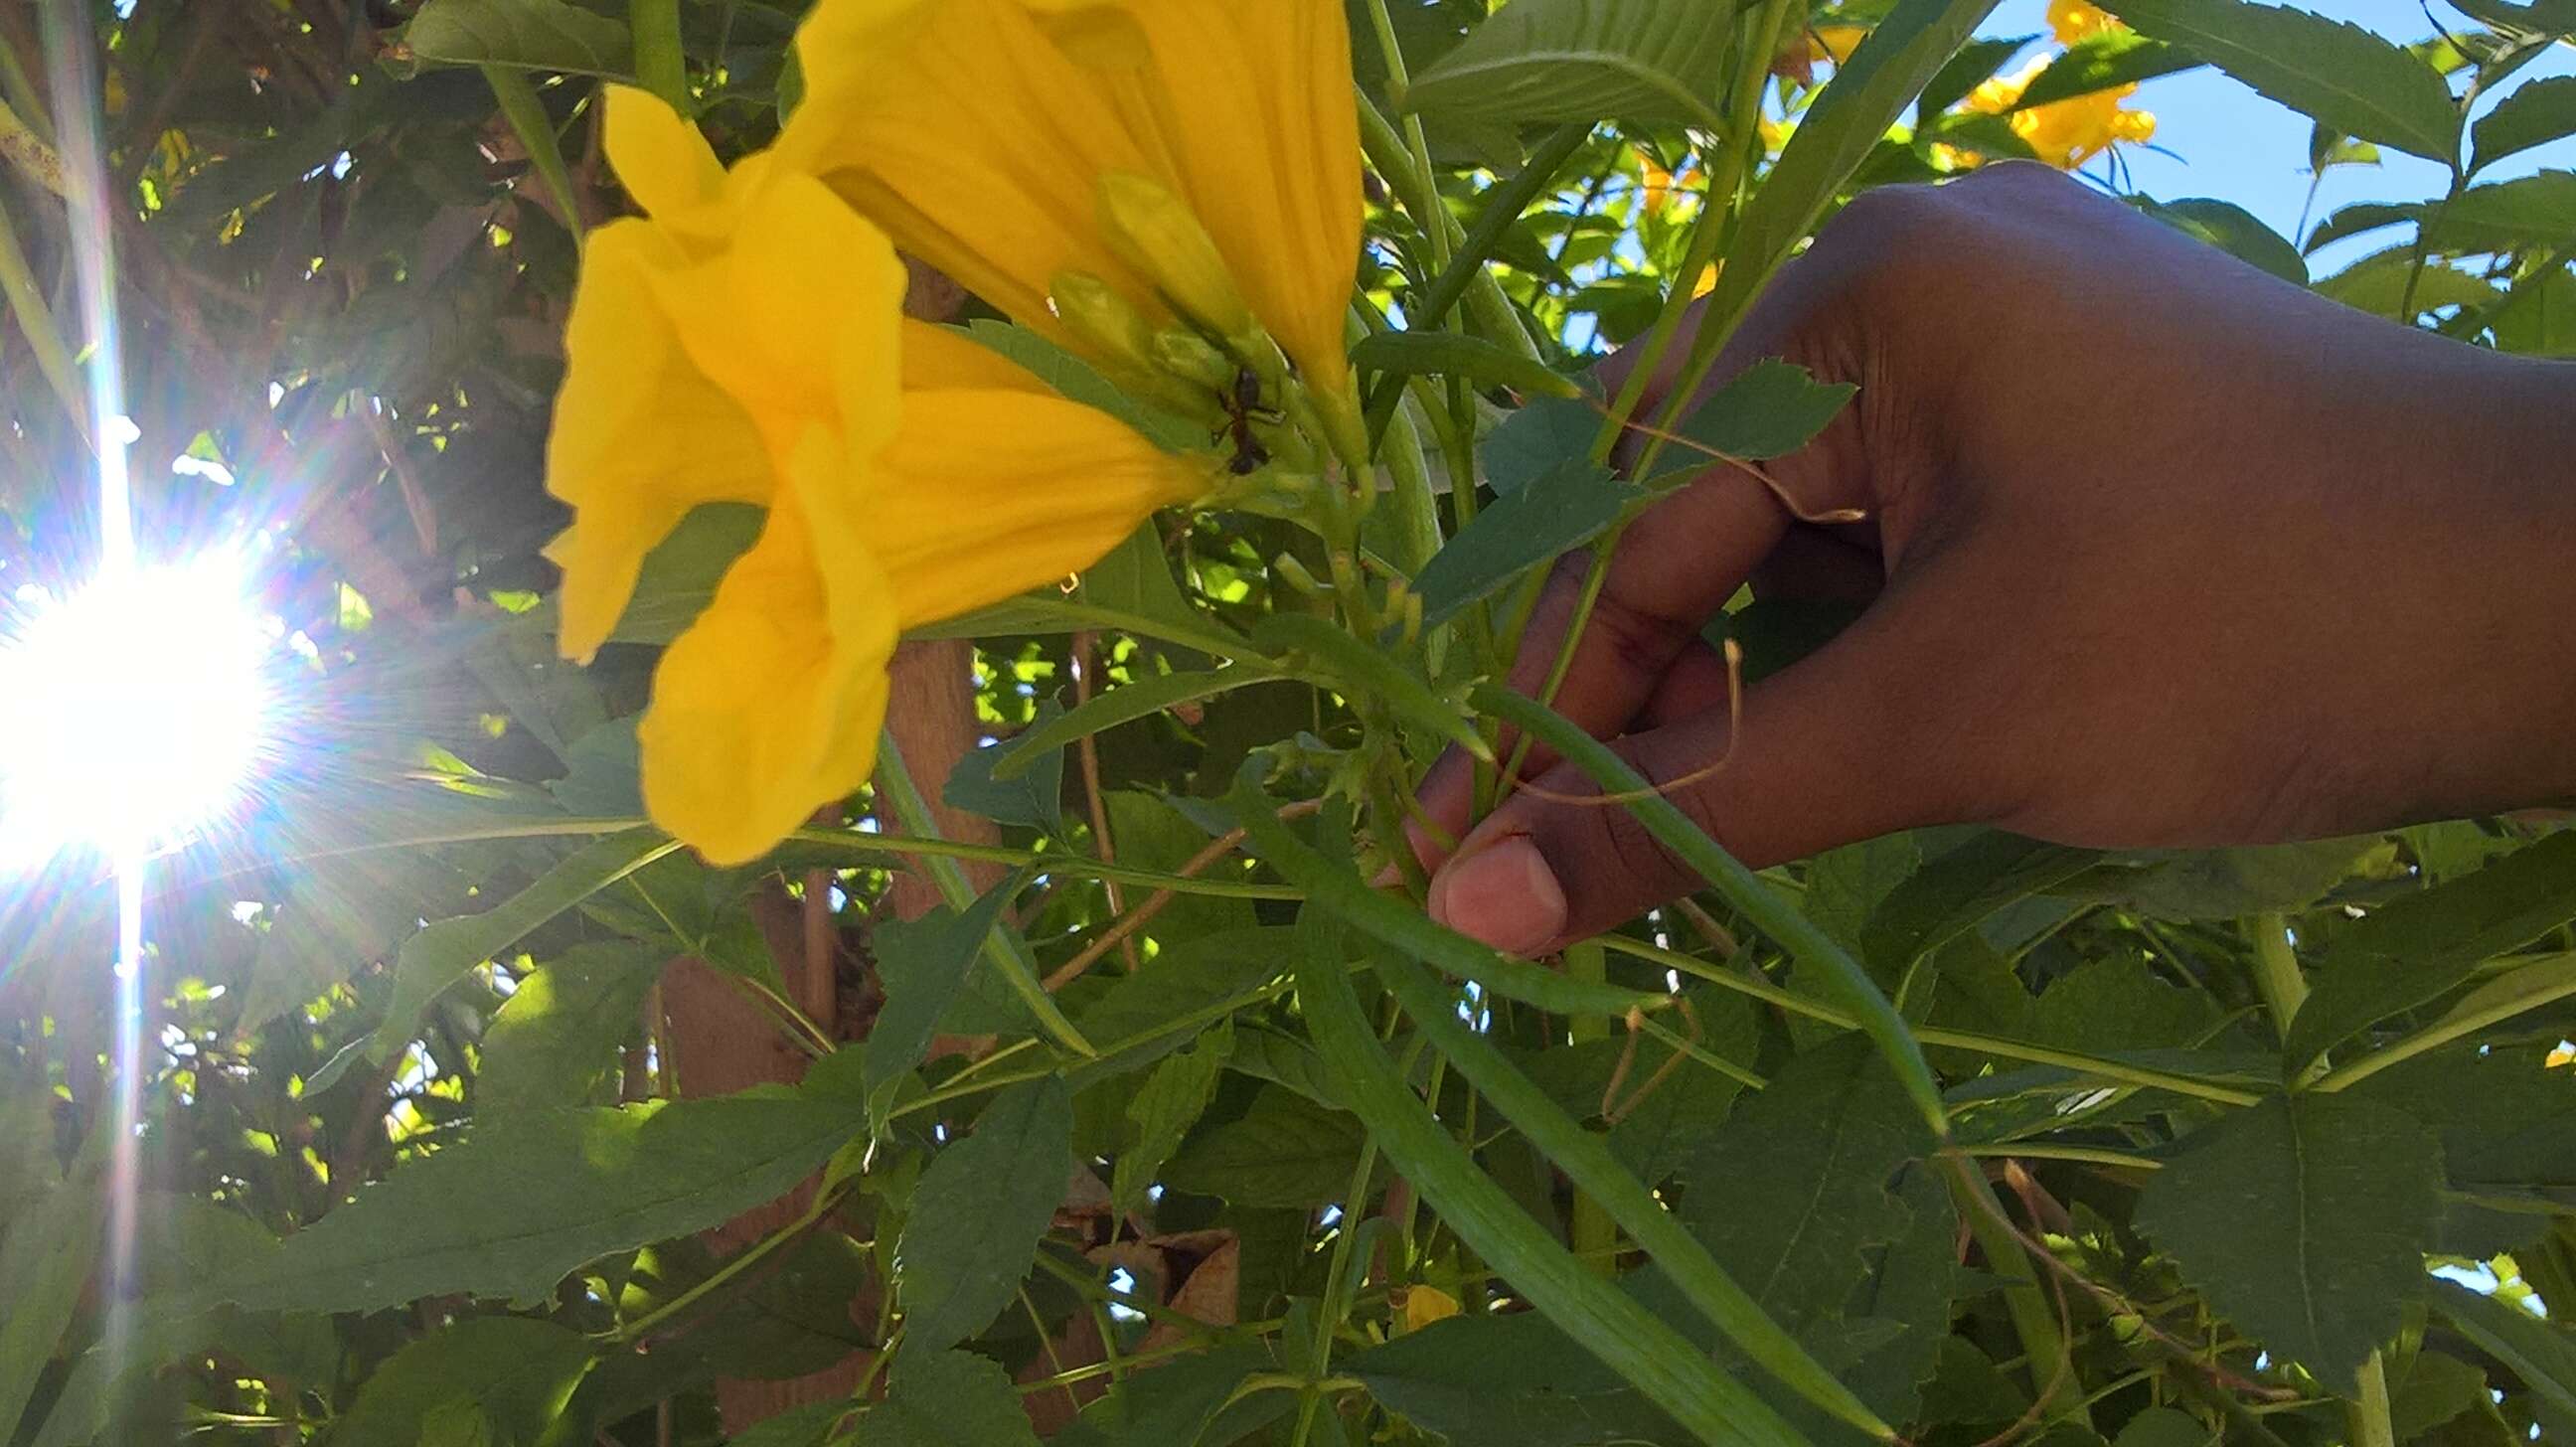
(2227, 142)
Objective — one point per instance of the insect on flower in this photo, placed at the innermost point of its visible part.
(1243, 408)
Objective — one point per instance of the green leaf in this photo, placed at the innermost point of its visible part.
(972, 1229)
(2335, 71)
(556, 1037)
(2225, 883)
(2507, 1120)
(445, 952)
(2305, 1221)
(2232, 229)
(2540, 1352)
(2531, 212)
(947, 1399)
(1126, 703)
(1911, 1286)
(924, 965)
(520, 35)
(1585, 60)
(1959, 889)
(1316, 647)
(1770, 409)
(1868, 92)
(2165, 1427)
(1562, 509)
(510, 1209)
(505, 1376)
(1735, 1303)
(1286, 1151)
(1975, 64)
(680, 575)
(1135, 579)
(2388, 284)
(1660, 1362)
(1514, 1379)
(811, 1425)
(2102, 62)
(1158, 1009)
(2418, 947)
(1078, 381)
(1019, 780)
(2435, 1389)
(1792, 1190)
(2112, 1004)
(1162, 1111)
(2533, 114)
(44, 1263)
(1536, 439)
(1454, 354)
(1153, 835)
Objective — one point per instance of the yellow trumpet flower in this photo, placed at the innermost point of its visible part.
(746, 344)
(1010, 142)
(2065, 133)
(2075, 21)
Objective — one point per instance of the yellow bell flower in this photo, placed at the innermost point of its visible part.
(2065, 133)
(980, 133)
(2075, 21)
(746, 343)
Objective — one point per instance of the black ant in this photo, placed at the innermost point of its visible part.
(1242, 409)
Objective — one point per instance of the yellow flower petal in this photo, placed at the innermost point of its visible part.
(1424, 1305)
(935, 357)
(632, 403)
(2074, 21)
(987, 494)
(663, 161)
(763, 711)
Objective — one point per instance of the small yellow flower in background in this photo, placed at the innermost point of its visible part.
(1835, 42)
(1011, 143)
(2564, 1055)
(2065, 133)
(1424, 1305)
(745, 342)
(2075, 22)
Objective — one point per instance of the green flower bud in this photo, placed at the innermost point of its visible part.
(1186, 354)
(1101, 320)
(1152, 231)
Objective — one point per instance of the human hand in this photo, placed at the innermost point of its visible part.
(2156, 551)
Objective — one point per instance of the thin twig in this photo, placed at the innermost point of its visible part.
(1088, 750)
(1155, 903)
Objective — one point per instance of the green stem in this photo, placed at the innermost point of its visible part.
(2087, 1155)
(23, 96)
(1488, 311)
(1595, 1235)
(2034, 1315)
(660, 62)
(1334, 1306)
(1752, 898)
(527, 118)
(1003, 948)
(2002, 1049)
(898, 846)
(758, 1252)
(2440, 1033)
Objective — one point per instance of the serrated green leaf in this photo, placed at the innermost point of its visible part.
(2418, 947)
(2165, 1427)
(973, 1226)
(2507, 1120)
(1561, 510)
(1536, 439)
(1584, 60)
(2305, 1221)
(551, 35)
(1770, 409)
(924, 965)
(2226, 883)
(2389, 283)
(1162, 1111)
(1494, 1379)
(447, 951)
(2332, 70)
(1152, 834)
(510, 1209)
(947, 1399)
(2528, 212)
(2108, 1005)
(2532, 114)
(508, 1376)
(2436, 1388)
(1955, 891)
(1286, 1151)
(555, 1038)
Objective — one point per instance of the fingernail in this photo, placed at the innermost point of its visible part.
(1503, 894)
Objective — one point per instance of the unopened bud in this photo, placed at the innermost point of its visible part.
(1185, 353)
(1152, 231)
(1101, 320)
(1288, 570)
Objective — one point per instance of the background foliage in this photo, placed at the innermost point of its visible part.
(422, 1164)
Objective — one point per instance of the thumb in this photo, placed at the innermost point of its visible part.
(1825, 754)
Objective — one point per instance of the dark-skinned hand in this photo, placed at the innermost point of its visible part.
(2156, 550)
